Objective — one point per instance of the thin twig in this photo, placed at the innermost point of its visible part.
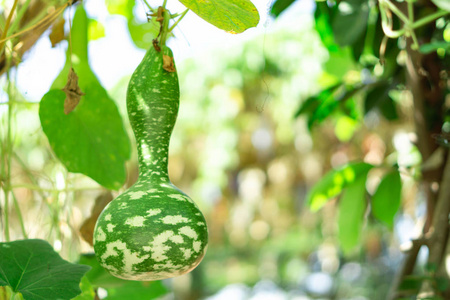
(19, 215)
(48, 19)
(5, 30)
(179, 19)
(38, 188)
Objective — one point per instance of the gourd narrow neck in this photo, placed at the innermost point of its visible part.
(153, 159)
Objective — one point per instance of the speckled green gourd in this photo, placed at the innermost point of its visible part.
(153, 230)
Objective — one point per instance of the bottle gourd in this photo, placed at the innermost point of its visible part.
(153, 230)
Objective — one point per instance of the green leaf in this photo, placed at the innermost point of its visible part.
(322, 17)
(97, 275)
(412, 283)
(387, 198)
(121, 7)
(96, 30)
(118, 288)
(442, 4)
(91, 139)
(332, 184)
(350, 22)
(234, 16)
(313, 102)
(352, 205)
(137, 290)
(320, 107)
(143, 34)
(434, 46)
(34, 269)
(340, 62)
(87, 291)
(279, 6)
(379, 98)
(345, 128)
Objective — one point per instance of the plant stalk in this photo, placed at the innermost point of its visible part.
(179, 19)
(6, 29)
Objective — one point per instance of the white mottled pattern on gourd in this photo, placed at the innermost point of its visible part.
(153, 230)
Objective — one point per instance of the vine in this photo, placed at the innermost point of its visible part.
(409, 24)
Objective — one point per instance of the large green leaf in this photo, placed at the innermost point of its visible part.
(118, 288)
(350, 22)
(234, 16)
(352, 205)
(34, 269)
(442, 4)
(333, 183)
(387, 198)
(91, 139)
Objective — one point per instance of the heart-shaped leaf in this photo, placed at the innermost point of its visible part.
(90, 139)
(234, 16)
(34, 269)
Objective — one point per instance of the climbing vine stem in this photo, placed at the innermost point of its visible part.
(8, 151)
(386, 7)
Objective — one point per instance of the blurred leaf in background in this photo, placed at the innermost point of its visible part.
(387, 198)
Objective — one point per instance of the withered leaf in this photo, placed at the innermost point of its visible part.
(73, 92)
(87, 228)
(57, 33)
(168, 64)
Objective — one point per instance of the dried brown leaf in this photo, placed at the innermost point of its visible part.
(73, 92)
(168, 64)
(87, 228)
(57, 33)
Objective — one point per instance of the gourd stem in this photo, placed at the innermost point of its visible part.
(165, 27)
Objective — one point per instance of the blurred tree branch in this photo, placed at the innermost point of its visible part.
(423, 80)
